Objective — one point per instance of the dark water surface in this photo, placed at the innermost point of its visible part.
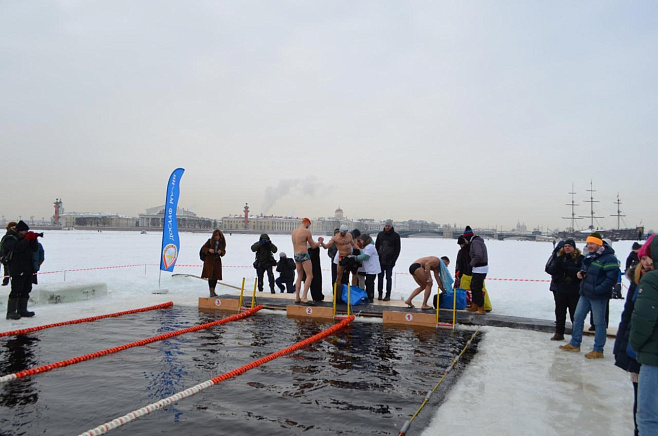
(365, 380)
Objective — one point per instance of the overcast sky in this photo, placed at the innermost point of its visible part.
(473, 112)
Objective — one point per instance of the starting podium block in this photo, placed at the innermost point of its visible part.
(411, 319)
(315, 312)
(221, 304)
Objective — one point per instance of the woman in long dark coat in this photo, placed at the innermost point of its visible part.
(214, 249)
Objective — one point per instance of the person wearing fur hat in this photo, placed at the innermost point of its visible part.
(598, 274)
(644, 341)
(5, 278)
(479, 262)
(565, 283)
(18, 246)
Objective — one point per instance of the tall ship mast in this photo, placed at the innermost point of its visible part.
(619, 233)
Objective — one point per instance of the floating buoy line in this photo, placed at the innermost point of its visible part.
(122, 420)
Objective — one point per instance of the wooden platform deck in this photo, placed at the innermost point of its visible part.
(382, 309)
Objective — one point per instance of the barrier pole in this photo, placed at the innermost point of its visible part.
(335, 287)
(454, 308)
(437, 306)
(241, 293)
(349, 301)
(253, 297)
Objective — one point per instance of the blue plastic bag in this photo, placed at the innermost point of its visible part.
(357, 295)
(446, 300)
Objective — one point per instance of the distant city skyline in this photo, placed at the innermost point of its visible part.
(519, 225)
(479, 113)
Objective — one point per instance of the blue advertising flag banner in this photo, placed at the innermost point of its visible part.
(170, 240)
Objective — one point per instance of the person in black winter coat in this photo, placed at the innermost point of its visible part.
(264, 248)
(331, 252)
(463, 262)
(18, 245)
(625, 358)
(316, 283)
(632, 258)
(388, 249)
(564, 266)
(286, 269)
(5, 278)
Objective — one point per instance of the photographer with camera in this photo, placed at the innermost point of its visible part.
(264, 249)
(563, 267)
(18, 246)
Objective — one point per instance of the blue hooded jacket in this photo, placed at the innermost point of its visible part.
(601, 271)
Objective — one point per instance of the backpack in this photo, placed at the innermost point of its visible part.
(202, 255)
(5, 256)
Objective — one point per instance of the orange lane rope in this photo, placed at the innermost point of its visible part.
(117, 422)
(90, 319)
(63, 363)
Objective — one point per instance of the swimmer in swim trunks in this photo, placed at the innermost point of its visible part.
(301, 241)
(344, 242)
(302, 257)
(421, 272)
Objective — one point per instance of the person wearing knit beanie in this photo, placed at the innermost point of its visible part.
(22, 225)
(645, 250)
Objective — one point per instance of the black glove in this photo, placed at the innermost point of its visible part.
(558, 247)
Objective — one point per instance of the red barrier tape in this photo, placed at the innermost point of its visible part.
(249, 266)
(90, 319)
(122, 420)
(63, 363)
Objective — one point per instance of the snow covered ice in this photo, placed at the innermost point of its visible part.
(518, 383)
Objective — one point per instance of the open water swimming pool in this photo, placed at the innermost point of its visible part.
(364, 379)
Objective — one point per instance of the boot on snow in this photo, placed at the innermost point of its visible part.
(12, 306)
(22, 308)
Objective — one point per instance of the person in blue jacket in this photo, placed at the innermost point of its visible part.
(38, 257)
(599, 272)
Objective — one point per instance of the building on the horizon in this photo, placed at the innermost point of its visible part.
(319, 226)
(187, 220)
(99, 219)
